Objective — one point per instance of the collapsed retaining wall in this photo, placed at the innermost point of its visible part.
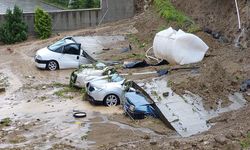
(111, 10)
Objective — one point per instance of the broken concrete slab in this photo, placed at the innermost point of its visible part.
(185, 113)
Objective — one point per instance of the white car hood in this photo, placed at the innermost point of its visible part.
(104, 83)
(44, 53)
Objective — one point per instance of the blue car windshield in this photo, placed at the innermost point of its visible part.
(56, 45)
(116, 78)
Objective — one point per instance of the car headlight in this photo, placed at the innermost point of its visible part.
(38, 57)
(132, 108)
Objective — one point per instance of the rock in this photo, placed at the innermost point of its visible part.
(176, 144)
(44, 87)
(206, 142)
(28, 101)
(153, 142)
(165, 94)
(209, 31)
(236, 134)
(216, 35)
(146, 137)
(220, 139)
(2, 89)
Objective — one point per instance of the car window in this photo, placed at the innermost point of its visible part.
(116, 78)
(72, 49)
(56, 46)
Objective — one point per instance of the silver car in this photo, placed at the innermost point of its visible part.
(108, 91)
(86, 73)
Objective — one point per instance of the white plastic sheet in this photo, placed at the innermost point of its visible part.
(178, 47)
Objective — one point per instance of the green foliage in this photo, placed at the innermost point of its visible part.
(76, 4)
(89, 3)
(5, 122)
(43, 25)
(245, 143)
(168, 11)
(65, 92)
(13, 29)
(135, 40)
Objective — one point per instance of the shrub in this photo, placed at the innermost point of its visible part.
(13, 29)
(168, 11)
(43, 25)
(89, 3)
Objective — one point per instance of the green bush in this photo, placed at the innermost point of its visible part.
(43, 25)
(13, 29)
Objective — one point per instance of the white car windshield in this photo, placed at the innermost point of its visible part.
(116, 78)
(58, 44)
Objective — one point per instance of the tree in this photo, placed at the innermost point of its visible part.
(43, 25)
(13, 29)
(89, 3)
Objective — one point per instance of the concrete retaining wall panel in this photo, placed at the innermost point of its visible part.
(76, 19)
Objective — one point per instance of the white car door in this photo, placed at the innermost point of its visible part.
(70, 56)
(83, 59)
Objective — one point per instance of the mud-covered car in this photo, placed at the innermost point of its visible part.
(80, 77)
(63, 54)
(107, 91)
(137, 104)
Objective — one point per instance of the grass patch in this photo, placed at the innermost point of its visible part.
(134, 39)
(67, 91)
(245, 143)
(57, 84)
(168, 11)
(5, 122)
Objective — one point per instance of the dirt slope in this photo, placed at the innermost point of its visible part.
(218, 15)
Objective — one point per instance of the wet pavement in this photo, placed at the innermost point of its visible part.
(26, 5)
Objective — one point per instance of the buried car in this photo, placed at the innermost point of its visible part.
(65, 53)
(137, 105)
(89, 72)
(108, 90)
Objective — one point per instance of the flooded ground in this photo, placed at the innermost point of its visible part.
(41, 118)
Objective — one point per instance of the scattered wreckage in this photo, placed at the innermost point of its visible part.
(85, 73)
(104, 85)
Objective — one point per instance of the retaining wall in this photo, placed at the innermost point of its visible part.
(111, 10)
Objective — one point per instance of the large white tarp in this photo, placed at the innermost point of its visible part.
(178, 47)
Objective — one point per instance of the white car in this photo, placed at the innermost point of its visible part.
(108, 91)
(86, 73)
(66, 53)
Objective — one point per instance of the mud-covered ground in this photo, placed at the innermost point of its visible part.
(41, 119)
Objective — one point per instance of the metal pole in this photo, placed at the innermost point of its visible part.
(238, 14)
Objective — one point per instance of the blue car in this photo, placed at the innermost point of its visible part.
(137, 106)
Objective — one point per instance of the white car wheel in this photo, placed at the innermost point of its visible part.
(52, 65)
(111, 100)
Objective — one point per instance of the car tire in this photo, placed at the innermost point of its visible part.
(111, 100)
(80, 114)
(52, 65)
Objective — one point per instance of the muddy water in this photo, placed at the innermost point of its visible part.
(29, 100)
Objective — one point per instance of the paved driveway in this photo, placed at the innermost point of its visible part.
(26, 5)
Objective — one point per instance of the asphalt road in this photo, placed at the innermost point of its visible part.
(26, 5)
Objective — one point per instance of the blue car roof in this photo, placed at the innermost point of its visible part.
(136, 99)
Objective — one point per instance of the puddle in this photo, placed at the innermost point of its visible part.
(186, 113)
